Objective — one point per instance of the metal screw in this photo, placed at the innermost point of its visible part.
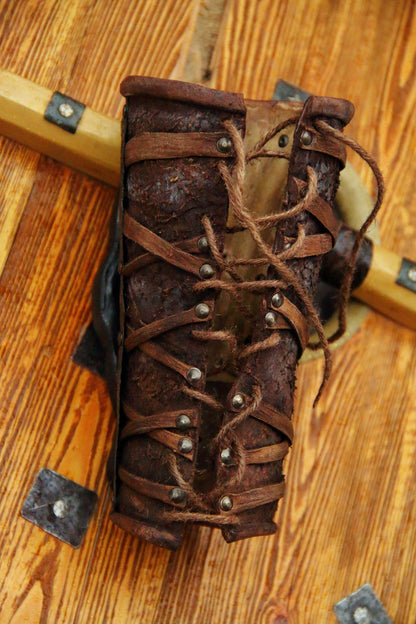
(283, 140)
(177, 495)
(226, 503)
(60, 508)
(202, 243)
(226, 456)
(202, 310)
(185, 445)
(306, 137)
(206, 271)
(270, 319)
(183, 422)
(193, 375)
(224, 145)
(65, 110)
(277, 300)
(288, 246)
(237, 401)
(411, 274)
(361, 615)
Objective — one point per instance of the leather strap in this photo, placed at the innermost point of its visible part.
(171, 440)
(186, 317)
(159, 247)
(322, 211)
(144, 424)
(266, 454)
(314, 245)
(159, 145)
(162, 356)
(324, 143)
(148, 488)
(295, 318)
(147, 258)
(249, 499)
(279, 421)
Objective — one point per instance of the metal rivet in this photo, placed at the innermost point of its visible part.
(226, 503)
(411, 274)
(185, 445)
(283, 140)
(237, 401)
(288, 246)
(361, 615)
(202, 310)
(183, 422)
(224, 145)
(206, 271)
(270, 319)
(194, 375)
(277, 300)
(226, 456)
(60, 508)
(202, 244)
(306, 137)
(66, 110)
(177, 495)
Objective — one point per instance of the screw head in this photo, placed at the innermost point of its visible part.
(361, 615)
(306, 137)
(288, 246)
(206, 271)
(224, 145)
(185, 445)
(65, 110)
(270, 319)
(202, 243)
(183, 422)
(194, 375)
(202, 310)
(237, 401)
(277, 300)
(60, 508)
(177, 495)
(226, 503)
(283, 140)
(411, 274)
(226, 456)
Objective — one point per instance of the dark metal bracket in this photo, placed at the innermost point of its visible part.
(60, 507)
(65, 112)
(362, 607)
(407, 275)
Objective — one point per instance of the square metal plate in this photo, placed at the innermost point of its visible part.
(60, 507)
(362, 607)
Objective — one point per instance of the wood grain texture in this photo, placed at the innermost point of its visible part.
(349, 515)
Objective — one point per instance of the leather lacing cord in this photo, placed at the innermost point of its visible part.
(234, 184)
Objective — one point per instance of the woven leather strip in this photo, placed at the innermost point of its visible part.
(295, 318)
(325, 144)
(266, 454)
(148, 488)
(315, 245)
(143, 424)
(275, 419)
(186, 317)
(147, 258)
(162, 356)
(255, 498)
(171, 440)
(322, 211)
(159, 145)
(159, 247)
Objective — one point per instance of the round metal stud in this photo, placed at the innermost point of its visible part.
(277, 300)
(288, 246)
(238, 401)
(65, 110)
(206, 271)
(194, 375)
(411, 274)
(283, 140)
(362, 615)
(177, 495)
(185, 445)
(60, 508)
(224, 145)
(306, 137)
(270, 319)
(202, 310)
(202, 243)
(226, 503)
(183, 422)
(226, 456)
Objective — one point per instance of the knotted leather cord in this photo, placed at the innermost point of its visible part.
(234, 184)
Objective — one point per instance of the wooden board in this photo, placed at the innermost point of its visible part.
(349, 515)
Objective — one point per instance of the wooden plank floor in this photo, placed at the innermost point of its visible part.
(349, 515)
